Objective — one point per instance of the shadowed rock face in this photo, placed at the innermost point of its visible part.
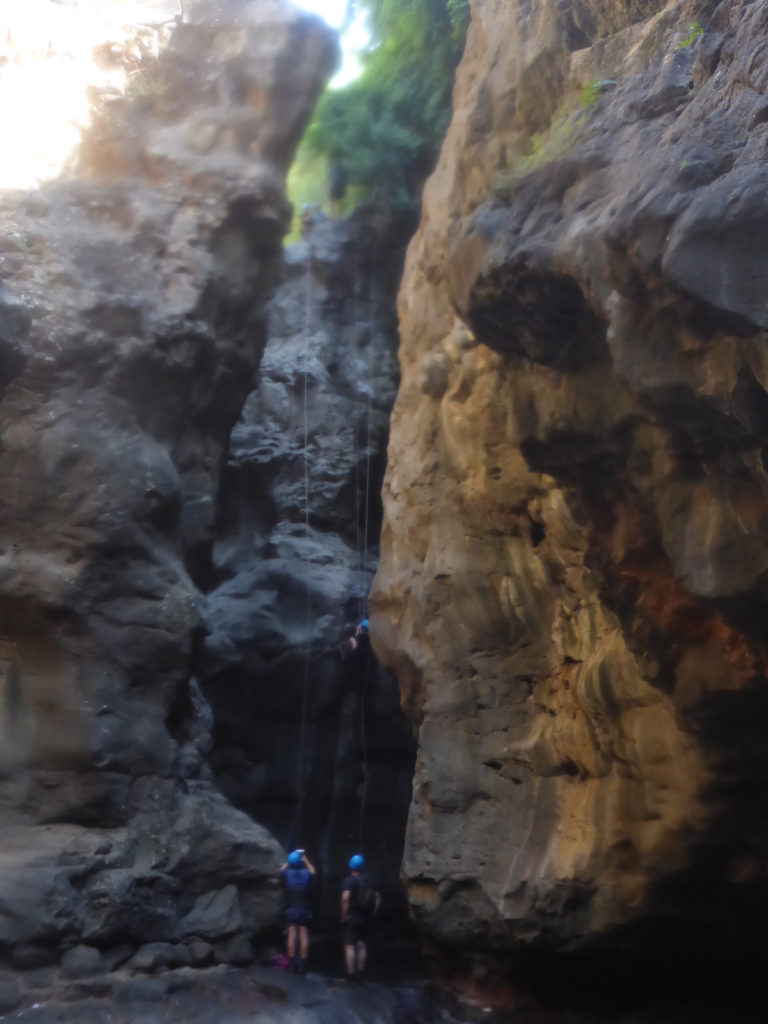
(573, 577)
(131, 323)
(315, 747)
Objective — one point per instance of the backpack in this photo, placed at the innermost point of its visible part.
(364, 895)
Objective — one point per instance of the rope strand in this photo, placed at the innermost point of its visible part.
(308, 561)
(356, 438)
(369, 406)
(364, 745)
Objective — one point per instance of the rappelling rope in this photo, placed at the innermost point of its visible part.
(305, 682)
(372, 303)
(356, 439)
(364, 567)
(364, 745)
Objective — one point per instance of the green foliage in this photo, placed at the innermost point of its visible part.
(385, 128)
(592, 91)
(694, 31)
(547, 146)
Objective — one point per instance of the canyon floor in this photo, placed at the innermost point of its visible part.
(227, 995)
(268, 995)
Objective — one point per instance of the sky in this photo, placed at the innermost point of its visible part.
(331, 10)
(354, 39)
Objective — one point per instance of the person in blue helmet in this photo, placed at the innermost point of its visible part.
(359, 903)
(359, 641)
(295, 877)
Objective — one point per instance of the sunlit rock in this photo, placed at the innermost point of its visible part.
(572, 585)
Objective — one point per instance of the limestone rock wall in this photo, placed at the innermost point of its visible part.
(131, 323)
(572, 585)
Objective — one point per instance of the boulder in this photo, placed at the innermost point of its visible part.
(82, 961)
(156, 956)
(214, 915)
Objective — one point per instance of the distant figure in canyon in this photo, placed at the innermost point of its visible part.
(337, 187)
(295, 877)
(359, 902)
(311, 214)
(359, 642)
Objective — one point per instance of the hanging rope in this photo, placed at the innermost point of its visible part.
(358, 487)
(364, 747)
(372, 298)
(308, 561)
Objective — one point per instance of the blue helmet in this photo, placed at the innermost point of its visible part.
(364, 624)
(355, 862)
(294, 859)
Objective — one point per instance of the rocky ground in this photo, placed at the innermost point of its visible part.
(231, 996)
(267, 995)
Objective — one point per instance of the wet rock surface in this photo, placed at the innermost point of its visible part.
(572, 581)
(132, 321)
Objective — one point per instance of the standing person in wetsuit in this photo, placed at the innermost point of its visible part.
(295, 876)
(359, 902)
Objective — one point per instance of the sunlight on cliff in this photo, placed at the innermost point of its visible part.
(47, 64)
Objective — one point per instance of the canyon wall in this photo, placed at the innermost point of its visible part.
(307, 738)
(132, 321)
(573, 578)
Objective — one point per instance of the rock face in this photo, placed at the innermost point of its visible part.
(131, 322)
(313, 745)
(572, 587)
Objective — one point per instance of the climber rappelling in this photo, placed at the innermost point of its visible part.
(358, 643)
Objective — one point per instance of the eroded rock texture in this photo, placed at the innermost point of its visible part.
(313, 745)
(573, 577)
(131, 322)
